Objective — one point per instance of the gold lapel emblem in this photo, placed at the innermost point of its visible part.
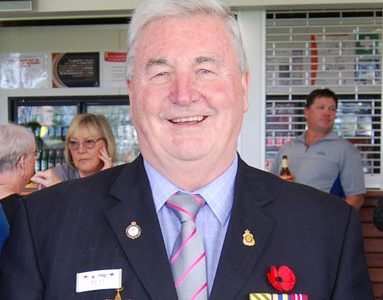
(133, 231)
(248, 238)
(118, 296)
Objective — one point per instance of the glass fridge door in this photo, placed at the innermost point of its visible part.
(49, 123)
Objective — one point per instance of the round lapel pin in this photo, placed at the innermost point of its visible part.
(133, 231)
(248, 238)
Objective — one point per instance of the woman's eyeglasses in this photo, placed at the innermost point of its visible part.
(87, 144)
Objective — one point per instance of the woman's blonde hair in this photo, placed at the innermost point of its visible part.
(98, 123)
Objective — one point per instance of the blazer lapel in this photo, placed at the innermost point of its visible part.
(147, 253)
(238, 260)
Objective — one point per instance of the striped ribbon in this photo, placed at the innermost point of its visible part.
(267, 296)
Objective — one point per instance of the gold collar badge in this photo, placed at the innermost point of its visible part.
(248, 238)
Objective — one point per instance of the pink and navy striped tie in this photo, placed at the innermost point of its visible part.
(188, 260)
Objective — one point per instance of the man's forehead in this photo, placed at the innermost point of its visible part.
(324, 98)
(191, 23)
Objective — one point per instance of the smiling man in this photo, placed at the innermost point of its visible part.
(188, 219)
(188, 97)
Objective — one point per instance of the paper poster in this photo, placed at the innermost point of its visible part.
(76, 70)
(24, 70)
(114, 69)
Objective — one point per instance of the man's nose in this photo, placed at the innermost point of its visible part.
(183, 90)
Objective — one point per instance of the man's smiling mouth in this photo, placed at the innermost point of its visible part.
(188, 119)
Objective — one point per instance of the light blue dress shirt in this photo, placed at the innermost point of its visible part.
(212, 220)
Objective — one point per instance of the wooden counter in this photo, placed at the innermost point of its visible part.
(373, 242)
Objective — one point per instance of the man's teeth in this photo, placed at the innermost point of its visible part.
(188, 119)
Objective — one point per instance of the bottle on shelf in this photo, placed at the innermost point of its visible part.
(59, 157)
(285, 171)
(38, 161)
(51, 158)
(44, 159)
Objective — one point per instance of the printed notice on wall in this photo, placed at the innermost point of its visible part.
(76, 70)
(24, 71)
(114, 69)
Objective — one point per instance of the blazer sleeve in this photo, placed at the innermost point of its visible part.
(20, 277)
(352, 281)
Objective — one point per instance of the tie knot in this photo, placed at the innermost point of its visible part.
(185, 206)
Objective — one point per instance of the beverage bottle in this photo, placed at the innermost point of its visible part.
(285, 171)
(51, 158)
(59, 157)
(38, 161)
(44, 159)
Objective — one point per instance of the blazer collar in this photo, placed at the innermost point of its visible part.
(237, 261)
(147, 253)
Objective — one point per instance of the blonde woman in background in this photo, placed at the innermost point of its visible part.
(17, 165)
(89, 148)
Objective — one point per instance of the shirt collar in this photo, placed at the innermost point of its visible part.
(330, 136)
(218, 194)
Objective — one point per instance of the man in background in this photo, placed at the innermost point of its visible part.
(320, 157)
(118, 234)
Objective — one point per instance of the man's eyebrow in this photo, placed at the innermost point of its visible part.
(203, 59)
(155, 62)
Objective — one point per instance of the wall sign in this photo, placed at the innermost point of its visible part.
(76, 70)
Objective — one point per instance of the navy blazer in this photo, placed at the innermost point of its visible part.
(79, 226)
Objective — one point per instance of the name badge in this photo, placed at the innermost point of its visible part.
(98, 280)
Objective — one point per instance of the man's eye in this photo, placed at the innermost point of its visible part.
(160, 77)
(161, 74)
(206, 73)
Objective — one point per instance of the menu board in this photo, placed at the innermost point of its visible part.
(76, 70)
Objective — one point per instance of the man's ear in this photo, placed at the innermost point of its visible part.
(305, 111)
(21, 164)
(245, 88)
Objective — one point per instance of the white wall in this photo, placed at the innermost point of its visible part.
(252, 139)
(63, 38)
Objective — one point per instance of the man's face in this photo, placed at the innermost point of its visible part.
(321, 115)
(187, 93)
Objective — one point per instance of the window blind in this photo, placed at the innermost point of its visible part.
(337, 49)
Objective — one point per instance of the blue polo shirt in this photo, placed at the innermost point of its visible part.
(332, 165)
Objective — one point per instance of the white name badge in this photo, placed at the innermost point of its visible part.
(98, 280)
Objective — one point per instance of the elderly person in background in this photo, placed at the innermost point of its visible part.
(90, 147)
(17, 163)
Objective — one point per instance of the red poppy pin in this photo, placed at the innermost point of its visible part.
(282, 278)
